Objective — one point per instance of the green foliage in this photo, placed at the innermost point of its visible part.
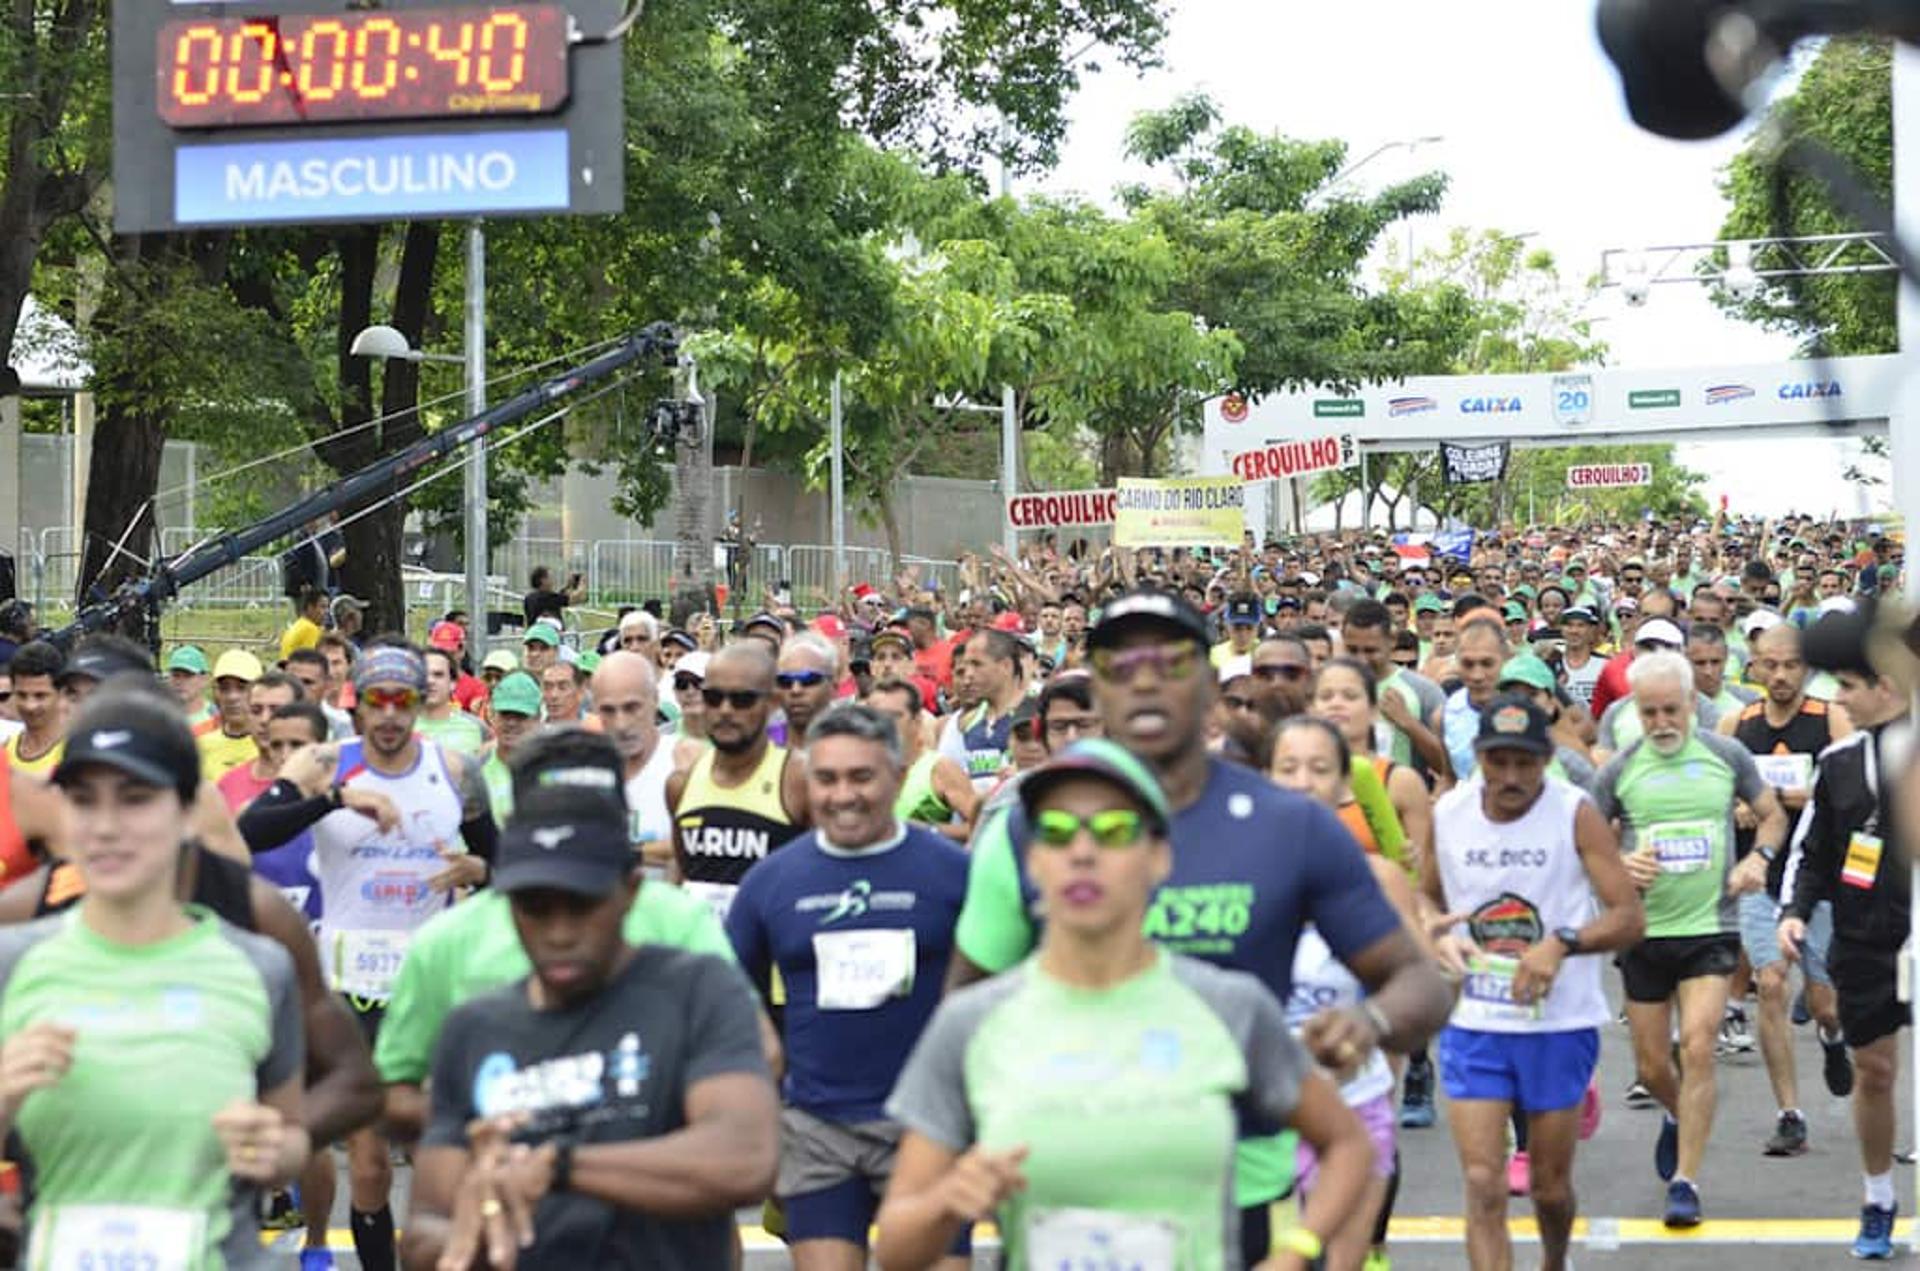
(1844, 101)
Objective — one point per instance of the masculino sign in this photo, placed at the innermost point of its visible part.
(1061, 508)
(1608, 476)
(1473, 465)
(1179, 512)
(1290, 458)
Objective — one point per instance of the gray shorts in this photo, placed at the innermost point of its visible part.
(1759, 925)
(816, 1154)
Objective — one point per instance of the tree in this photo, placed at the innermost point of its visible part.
(1844, 102)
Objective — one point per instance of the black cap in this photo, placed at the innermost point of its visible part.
(556, 841)
(1512, 721)
(1838, 641)
(1243, 610)
(680, 638)
(146, 740)
(1143, 608)
(764, 619)
(101, 662)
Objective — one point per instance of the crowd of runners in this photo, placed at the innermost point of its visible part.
(1110, 898)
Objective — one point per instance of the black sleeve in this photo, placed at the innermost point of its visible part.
(482, 837)
(279, 814)
(1817, 842)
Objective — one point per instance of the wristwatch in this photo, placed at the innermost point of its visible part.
(562, 1177)
(1568, 936)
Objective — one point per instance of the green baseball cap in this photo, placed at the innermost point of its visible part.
(1428, 603)
(589, 662)
(518, 693)
(543, 633)
(1098, 757)
(188, 658)
(1516, 613)
(1527, 669)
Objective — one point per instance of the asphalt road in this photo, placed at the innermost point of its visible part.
(1763, 1213)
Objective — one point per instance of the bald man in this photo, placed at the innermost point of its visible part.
(626, 701)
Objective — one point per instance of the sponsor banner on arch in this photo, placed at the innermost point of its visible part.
(1180, 512)
(1060, 509)
(1608, 476)
(1296, 457)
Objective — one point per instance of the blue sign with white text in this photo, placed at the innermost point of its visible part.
(371, 178)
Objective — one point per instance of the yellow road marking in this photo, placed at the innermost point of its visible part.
(1440, 1229)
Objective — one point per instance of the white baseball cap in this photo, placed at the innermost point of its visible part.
(1659, 631)
(1757, 621)
(1233, 668)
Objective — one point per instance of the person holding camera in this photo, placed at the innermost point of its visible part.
(544, 600)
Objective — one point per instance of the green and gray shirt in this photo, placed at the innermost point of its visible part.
(1127, 1099)
(128, 1168)
(1682, 806)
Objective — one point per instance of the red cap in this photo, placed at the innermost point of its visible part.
(447, 636)
(862, 591)
(1010, 623)
(830, 626)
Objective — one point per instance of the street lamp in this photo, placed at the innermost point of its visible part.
(384, 342)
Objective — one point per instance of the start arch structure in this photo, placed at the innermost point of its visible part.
(1755, 403)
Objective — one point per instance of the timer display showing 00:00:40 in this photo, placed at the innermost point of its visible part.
(408, 63)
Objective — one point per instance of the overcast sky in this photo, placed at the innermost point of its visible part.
(1536, 140)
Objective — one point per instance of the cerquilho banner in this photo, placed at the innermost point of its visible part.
(1180, 512)
(1608, 476)
(1296, 458)
(1059, 509)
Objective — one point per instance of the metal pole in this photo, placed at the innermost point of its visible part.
(1009, 468)
(839, 493)
(476, 351)
(1366, 503)
(1905, 416)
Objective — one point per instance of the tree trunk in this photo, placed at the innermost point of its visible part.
(890, 521)
(692, 538)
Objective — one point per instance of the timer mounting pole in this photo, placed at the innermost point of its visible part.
(476, 492)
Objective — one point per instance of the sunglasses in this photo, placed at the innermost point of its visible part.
(1235, 702)
(1113, 828)
(1169, 662)
(400, 699)
(739, 698)
(6, 695)
(800, 679)
(1291, 672)
(686, 683)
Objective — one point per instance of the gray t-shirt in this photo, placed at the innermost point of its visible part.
(614, 1069)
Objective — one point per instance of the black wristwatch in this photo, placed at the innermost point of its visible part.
(1568, 936)
(562, 1165)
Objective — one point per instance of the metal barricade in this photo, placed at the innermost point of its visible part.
(628, 571)
(944, 572)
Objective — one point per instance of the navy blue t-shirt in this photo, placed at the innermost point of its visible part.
(1252, 863)
(839, 926)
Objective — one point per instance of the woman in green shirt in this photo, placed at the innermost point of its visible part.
(150, 1054)
(1090, 1096)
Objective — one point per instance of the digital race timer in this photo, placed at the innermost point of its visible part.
(397, 64)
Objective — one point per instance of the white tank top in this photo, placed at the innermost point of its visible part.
(375, 883)
(648, 820)
(1322, 982)
(1521, 881)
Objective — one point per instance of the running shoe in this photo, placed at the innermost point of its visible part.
(1800, 1013)
(1666, 1149)
(1683, 1204)
(1837, 1066)
(1377, 1260)
(1519, 1175)
(1789, 1136)
(1416, 1099)
(1590, 1110)
(316, 1260)
(1638, 1096)
(1735, 1037)
(1875, 1240)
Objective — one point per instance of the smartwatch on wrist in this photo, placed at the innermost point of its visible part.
(1568, 936)
(562, 1165)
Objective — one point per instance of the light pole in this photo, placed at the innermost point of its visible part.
(386, 343)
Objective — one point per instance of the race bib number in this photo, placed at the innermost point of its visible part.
(1863, 861)
(1682, 847)
(1487, 992)
(366, 963)
(859, 970)
(119, 1238)
(1099, 1240)
(1785, 772)
(717, 897)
